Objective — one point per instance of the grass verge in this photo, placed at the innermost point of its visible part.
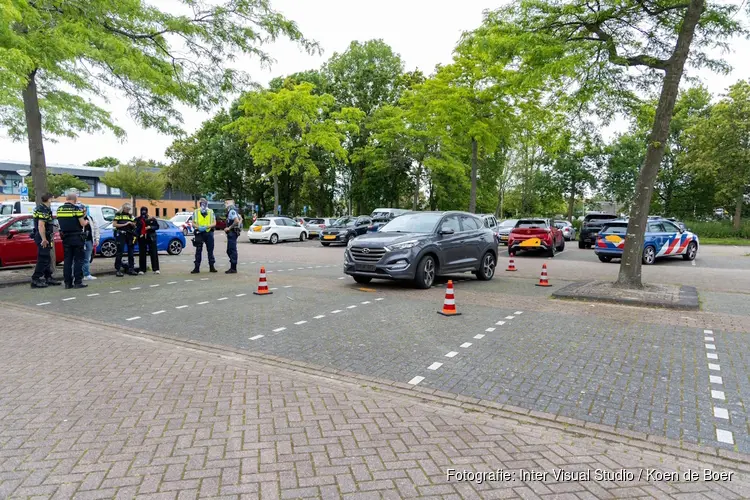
(725, 241)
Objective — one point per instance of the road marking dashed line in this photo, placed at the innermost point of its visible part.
(500, 323)
(509, 317)
(92, 295)
(714, 367)
(153, 286)
(115, 291)
(490, 330)
(300, 322)
(714, 379)
(718, 395)
(451, 354)
(721, 413)
(351, 307)
(203, 303)
(240, 295)
(479, 336)
(181, 307)
(222, 298)
(256, 337)
(44, 303)
(336, 311)
(133, 318)
(518, 312)
(319, 316)
(281, 329)
(136, 288)
(69, 298)
(158, 312)
(416, 380)
(465, 345)
(435, 366)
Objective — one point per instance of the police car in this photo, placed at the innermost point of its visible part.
(663, 239)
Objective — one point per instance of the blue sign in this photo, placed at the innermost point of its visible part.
(256, 208)
(305, 208)
(279, 209)
(24, 190)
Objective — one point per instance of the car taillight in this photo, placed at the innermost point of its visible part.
(322, 226)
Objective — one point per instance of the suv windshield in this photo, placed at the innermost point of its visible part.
(509, 223)
(345, 222)
(412, 223)
(615, 229)
(598, 218)
(530, 224)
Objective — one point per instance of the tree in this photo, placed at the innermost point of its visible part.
(602, 53)
(57, 185)
(59, 57)
(103, 162)
(576, 168)
(138, 178)
(719, 144)
(625, 155)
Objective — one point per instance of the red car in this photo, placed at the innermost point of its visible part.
(16, 246)
(536, 234)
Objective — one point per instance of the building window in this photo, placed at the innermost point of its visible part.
(101, 188)
(10, 183)
(90, 191)
(176, 211)
(157, 212)
(114, 191)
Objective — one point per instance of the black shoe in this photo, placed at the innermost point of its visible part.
(80, 285)
(119, 274)
(38, 284)
(195, 271)
(53, 282)
(212, 269)
(68, 287)
(231, 271)
(132, 273)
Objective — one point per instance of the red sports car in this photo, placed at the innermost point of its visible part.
(16, 246)
(536, 234)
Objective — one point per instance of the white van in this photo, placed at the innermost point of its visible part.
(101, 214)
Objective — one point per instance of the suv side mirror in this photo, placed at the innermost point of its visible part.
(447, 231)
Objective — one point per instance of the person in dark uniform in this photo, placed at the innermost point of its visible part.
(72, 220)
(43, 237)
(233, 230)
(145, 228)
(124, 229)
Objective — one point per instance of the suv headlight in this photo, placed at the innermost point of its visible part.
(402, 246)
(351, 242)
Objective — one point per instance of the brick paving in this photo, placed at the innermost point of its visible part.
(88, 411)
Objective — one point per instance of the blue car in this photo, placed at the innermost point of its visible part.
(663, 239)
(169, 238)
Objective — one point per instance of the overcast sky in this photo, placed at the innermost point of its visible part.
(423, 32)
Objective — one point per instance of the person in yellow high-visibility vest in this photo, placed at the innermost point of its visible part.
(204, 223)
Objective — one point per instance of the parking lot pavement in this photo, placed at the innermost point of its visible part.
(96, 412)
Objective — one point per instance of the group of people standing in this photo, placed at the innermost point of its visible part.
(80, 235)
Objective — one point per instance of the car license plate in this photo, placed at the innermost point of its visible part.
(531, 242)
(503, 238)
(365, 267)
(329, 237)
(257, 229)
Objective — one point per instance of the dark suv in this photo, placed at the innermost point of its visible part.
(591, 226)
(419, 246)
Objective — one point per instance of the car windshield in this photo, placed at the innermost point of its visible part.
(615, 229)
(261, 222)
(412, 223)
(599, 217)
(345, 221)
(316, 221)
(531, 224)
(178, 219)
(509, 223)
(379, 215)
(3, 220)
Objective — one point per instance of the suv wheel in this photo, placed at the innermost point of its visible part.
(649, 255)
(486, 268)
(692, 251)
(581, 244)
(605, 258)
(426, 271)
(362, 280)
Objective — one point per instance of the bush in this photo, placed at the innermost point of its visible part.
(718, 229)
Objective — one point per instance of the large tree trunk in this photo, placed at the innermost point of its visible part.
(275, 193)
(571, 204)
(737, 221)
(132, 204)
(630, 266)
(474, 166)
(34, 133)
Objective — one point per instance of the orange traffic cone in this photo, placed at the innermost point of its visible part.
(262, 285)
(543, 278)
(449, 305)
(511, 264)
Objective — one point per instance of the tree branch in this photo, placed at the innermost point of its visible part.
(615, 58)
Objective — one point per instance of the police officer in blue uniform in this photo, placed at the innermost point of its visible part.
(43, 237)
(233, 230)
(72, 220)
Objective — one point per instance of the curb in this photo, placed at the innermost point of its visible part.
(453, 402)
(688, 300)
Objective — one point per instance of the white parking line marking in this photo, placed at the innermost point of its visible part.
(451, 354)
(721, 413)
(724, 436)
(158, 312)
(509, 317)
(253, 262)
(256, 337)
(181, 307)
(92, 295)
(341, 278)
(714, 367)
(711, 347)
(300, 322)
(490, 330)
(188, 281)
(380, 298)
(203, 303)
(240, 295)
(318, 267)
(69, 298)
(416, 380)
(44, 303)
(153, 286)
(717, 394)
(319, 316)
(172, 283)
(269, 272)
(711, 355)
(336, 311)
(136, 288)
(693, 263)
(292, 269)
(714, 379)
(288, 286)
(281, 270)
(280, 329)
(465, 345)
(708, 331)
(204, 279)
(115, 291)
(272, 289)
(479, 336)
(518, 312)
(309, 267)
(708, 339)
(223, 298)
(351, 307)
(133, 318)
(435, 366)
(300, 268)
(366, 302)
(500, 323)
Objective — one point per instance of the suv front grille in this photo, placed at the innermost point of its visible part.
(372, 255)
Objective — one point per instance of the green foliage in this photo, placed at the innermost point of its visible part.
(138, 179)
(716, 229)
(57, 185)
(104, 162)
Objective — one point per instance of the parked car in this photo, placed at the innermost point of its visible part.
(275, 229)
(504, 230)
(184, 221)
(169, 238)
(491, 223)
(591, 226)
(387, 213)
(536, 234)
(315, 225)
(663, 239)
(17, 248)
(569, 232)
(678, 223)
(345, 229)
(419, 246)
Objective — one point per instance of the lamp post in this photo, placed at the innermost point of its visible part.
(24, 190)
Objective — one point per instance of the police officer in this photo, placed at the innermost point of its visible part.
(204, 222)
(43, 237)
(233, 230)
(124, 229)
(145, 228)
(72, 220)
